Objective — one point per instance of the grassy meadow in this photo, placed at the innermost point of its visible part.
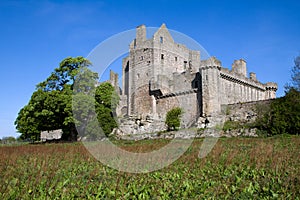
(236, 168)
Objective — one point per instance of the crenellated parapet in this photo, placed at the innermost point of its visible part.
(271, 89)
(271, 86)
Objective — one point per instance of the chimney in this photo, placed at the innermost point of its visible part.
(140, 34)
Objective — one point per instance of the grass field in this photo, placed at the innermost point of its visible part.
(236, 168)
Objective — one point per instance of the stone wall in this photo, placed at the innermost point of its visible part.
(160, 74)
(51, 135)
(244, 112)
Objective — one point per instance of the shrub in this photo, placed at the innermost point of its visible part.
(173, 118)
(283, 115)
(231, 125)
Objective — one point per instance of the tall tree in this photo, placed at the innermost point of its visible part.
(296, 74)
(50, 106)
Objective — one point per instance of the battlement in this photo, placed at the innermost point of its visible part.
(271, 86)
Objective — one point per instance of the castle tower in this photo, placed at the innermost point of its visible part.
(154, 61)
(271, 89)
(210, 78)
(137, 71)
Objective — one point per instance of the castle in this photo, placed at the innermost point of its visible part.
(159, 74)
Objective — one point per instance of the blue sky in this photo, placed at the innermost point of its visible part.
(37, 35)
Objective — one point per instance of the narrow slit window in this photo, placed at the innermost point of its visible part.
(162, 56)
(134, 44)
(161, 39)
(175, 58)
(184, 64)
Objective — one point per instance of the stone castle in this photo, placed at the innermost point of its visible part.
(159, 74)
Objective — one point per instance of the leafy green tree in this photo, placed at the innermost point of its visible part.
(50, 106)
(65, 74)
(94, 115)
(173, 118)
(296, 74)
(106, 102)
(106, 95)
(85, 116)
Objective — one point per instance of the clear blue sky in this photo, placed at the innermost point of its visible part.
(37, 35)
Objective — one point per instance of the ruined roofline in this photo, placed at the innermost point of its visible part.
(142, 44)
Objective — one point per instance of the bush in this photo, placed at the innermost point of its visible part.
(231, 125)
(173, 118)
(8, 140)
(283, 115)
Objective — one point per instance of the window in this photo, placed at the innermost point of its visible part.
(142, 57)
(134, 44)
(175, 58)
(184, 64)
(162, 56)
(161, 39)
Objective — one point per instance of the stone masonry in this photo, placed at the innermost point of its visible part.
(160, 74)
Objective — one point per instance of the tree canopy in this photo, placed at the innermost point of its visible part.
(65, 74)
(94, 115)
(50, 106)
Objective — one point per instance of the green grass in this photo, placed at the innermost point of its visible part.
(237, 168)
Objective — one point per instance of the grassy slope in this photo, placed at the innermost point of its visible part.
(236, 168)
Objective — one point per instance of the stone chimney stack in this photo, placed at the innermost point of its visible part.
(239, 67)
(253, 76)
(140, 34)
